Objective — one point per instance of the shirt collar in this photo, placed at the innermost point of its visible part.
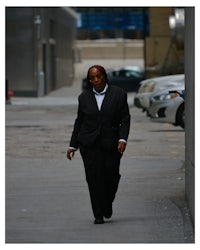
(102, 92)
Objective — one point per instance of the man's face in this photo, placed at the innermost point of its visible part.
(97, 79)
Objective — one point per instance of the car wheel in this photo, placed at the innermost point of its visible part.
(180, 116)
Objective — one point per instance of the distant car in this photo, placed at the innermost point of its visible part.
(127, 78)
(168, 106)
(150, 86)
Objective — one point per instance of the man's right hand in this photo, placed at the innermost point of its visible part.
(70, 153)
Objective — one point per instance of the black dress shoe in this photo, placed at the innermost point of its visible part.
(99, 220)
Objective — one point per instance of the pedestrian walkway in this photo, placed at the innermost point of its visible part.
(47, 199)
(62, 97)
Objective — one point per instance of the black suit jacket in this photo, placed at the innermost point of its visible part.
(109, 124)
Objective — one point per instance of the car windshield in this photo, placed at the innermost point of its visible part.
(124, 73)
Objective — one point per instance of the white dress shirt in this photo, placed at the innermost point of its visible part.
(99, 96)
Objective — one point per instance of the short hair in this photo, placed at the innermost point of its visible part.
(101, 69)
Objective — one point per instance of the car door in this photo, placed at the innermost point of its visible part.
(126, 79)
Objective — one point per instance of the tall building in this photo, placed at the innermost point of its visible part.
(112, 22)
(39, 49)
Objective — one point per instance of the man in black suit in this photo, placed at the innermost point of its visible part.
(100, 132)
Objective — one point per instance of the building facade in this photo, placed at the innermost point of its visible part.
(112, 22)
(39, 49)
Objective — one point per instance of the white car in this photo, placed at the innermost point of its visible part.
(168, 106)
(152, 85)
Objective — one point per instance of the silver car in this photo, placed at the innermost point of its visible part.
(152, 85)
(168, 106)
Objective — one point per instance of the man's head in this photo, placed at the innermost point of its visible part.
(97, 77)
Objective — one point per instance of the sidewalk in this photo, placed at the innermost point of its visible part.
(63, 96)
(71, 98)
(47, 199)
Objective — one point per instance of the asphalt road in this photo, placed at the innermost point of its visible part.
(47, 199)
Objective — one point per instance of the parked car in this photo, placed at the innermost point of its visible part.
(150, 86)
(168, 106)
(128, 78)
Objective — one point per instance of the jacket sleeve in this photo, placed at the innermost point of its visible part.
(124, 118)
(77, 125)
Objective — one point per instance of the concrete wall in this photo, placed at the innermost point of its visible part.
(190, 108)
(39, 49)
(20, 49)
(159, 21)
(109, 49)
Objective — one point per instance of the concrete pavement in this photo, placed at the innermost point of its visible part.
(47, 199)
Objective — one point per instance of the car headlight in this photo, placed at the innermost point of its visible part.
(164, 97)
(147, 87)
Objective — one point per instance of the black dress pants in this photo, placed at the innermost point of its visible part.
(102, 176)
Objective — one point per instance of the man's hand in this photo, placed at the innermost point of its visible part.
(121, 147)
(70, 153)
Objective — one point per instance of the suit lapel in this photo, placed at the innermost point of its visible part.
(106, 99)
(93, 100)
